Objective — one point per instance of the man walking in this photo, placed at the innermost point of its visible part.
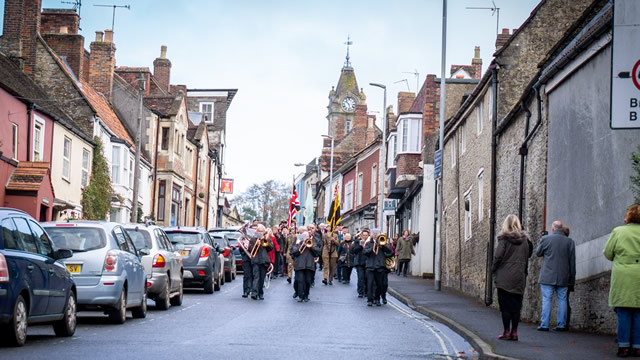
(558, 272)
(329, 256)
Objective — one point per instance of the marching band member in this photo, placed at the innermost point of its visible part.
(359, 260)
(259, 249)
(329, 256)
(247, 269)
(304, 251)
(346, 259)
(376, 252)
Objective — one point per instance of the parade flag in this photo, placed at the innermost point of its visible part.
(294, 205)
(334, 211)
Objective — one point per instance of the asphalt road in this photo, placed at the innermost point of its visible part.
(335, 324)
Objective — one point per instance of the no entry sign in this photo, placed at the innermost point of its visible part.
(625, 65)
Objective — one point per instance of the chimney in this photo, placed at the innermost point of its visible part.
(405, 100)
(476, 64)
(59, 29)
(502, 38)
(162, 69)
(102, 63)
(20, 32)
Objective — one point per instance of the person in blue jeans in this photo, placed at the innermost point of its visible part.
(557, 274)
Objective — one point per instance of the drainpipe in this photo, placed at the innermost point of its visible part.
(195, 186)
(29, 130)
(488, 296)
(524, 148)
(155, 171)
(207, 194)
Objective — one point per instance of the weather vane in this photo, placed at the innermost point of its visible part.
(113, 19)
(348, 43)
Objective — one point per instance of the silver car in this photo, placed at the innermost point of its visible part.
(105, 266)
(163, 265)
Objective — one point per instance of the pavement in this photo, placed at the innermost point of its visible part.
(481, 325)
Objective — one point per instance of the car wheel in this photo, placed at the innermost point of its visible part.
(140, 312)
(208, 285)
(67, 326)
(217, 283)
(177, 300)
(162, 302)
(228, 276)
(16, 331)
(119, 314)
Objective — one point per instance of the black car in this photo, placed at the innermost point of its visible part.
(201, 258)
(35, 287)
(232, 236)
(230, 267)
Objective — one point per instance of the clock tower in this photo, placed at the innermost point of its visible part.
(344, 101)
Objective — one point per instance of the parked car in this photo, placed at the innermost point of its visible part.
(229, 258)
(163, 265)
(202, 262)
(35, 287)
(232, 236)
(105, 266)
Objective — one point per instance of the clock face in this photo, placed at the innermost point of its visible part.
(348, 104)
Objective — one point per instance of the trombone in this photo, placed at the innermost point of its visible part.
(255, 249)
(308, 243)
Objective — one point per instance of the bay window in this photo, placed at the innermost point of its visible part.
(409, 135)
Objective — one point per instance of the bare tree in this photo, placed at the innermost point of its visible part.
(270, 200)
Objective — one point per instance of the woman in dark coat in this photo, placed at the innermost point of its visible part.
(510, 273)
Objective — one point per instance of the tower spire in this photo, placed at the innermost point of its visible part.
(347, 63)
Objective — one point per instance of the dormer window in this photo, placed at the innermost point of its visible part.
(206, 108)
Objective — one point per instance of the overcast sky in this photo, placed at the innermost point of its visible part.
(284, 56)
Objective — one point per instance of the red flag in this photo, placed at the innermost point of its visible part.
(294, 205)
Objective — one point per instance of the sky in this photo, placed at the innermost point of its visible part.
(284, 56)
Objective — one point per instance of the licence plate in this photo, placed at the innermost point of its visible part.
(74, 269)
(184, 252)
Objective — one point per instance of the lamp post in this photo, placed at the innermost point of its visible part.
(383, 158)
(330, 164)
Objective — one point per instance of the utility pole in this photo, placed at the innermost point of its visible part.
(383, 158)
(136, 176)
(443, 66)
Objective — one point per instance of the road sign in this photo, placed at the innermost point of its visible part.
(437, 173)
(625, 68)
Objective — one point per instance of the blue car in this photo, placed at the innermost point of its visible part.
(35, 287)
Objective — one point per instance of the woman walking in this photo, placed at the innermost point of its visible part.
(623, 248)
(404, 250)
(510, 272)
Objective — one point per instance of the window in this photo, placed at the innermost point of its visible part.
(392, 151)
(131, 173)
(85, 167)
(165, 139)
(10, 235)
(125, 170)
(114, 215)
(463, 138)
(479, 117)
(42, 239)
(38, 140)
(480, 195)
(206, 108)
(187, 201)
(161, 196)
(452, 145)
(120, 239)
(410, 135)
(176, 141)
(467, 215)
(198, 216)
(374, 180)
(115, 164)
(188, 160)
(28, 241)
(176, 203)
(14, 141)
(359, 185)
(348, 196)
(66, 158)
(347, 126)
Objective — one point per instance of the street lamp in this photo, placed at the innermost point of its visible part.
(330, 164)
(383, 155)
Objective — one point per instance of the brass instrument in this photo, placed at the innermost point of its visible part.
(390, 263)
(255, 249)
(265, 241)
(308, 243)
(380, 241)
(243, 241)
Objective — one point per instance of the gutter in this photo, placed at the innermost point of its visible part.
(488, 296)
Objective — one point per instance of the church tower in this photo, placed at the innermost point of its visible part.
(344, 101)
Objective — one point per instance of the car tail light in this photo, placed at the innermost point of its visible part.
(201, 273)
(148, 284)
(110, 262)
(226, 252)
(4, 270)
(204, 252)
(158, 261)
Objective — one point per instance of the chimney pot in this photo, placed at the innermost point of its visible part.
(505, 31)
(99, 36)
(64, 30)
(108, 36)
(163, 52)
(476, 52)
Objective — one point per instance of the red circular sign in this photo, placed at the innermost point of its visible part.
(634, 75)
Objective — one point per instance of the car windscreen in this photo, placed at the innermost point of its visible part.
(77, 239)
(141, 238)
(232, 235)
(184, 238)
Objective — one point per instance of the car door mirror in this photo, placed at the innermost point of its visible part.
(63, 254)
(144, 251)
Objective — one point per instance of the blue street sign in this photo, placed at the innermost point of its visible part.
(437, 174)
